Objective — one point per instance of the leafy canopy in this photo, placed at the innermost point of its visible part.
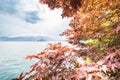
(94, 31)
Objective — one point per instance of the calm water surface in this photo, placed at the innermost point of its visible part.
(12, 57)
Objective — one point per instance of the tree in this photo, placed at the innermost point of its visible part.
(95, 34)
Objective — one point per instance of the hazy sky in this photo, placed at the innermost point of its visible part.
(28, 17)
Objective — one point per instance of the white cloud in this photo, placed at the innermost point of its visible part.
(51, 24)
(14, 26)
(29, 5)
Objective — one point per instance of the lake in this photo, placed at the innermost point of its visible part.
(12, 57)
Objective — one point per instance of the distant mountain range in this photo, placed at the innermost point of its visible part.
(26, 38)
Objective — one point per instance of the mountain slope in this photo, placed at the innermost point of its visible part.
(26, 38)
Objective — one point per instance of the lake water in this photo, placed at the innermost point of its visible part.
(12, 57)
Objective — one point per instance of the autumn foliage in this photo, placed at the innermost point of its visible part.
(95, 35)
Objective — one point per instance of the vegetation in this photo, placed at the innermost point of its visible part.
(95, 35)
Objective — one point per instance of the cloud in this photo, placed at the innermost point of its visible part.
(13, 26)
(8, 6)
(29, 10)
(21, 8)
(28, 17)
(32, 17)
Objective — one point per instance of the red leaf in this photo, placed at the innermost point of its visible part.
(118, 28)
(30, 57)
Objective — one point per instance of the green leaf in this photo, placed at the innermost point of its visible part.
(88, 60)
(102, 49)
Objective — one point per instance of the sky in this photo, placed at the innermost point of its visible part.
(30, 18)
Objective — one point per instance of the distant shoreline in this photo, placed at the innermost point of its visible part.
(26, 38)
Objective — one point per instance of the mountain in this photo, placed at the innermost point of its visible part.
(26, 38)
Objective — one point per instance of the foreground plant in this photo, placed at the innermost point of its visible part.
(57, 62)
(95, 33)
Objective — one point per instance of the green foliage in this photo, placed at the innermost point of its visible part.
(93, 42)
(101, 49)
(88, 60)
